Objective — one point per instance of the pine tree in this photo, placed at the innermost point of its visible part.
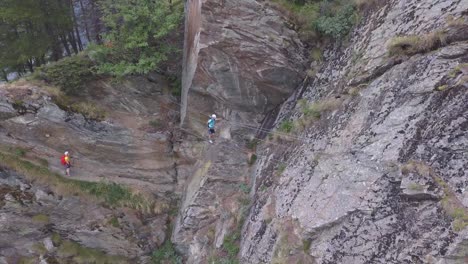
(33, 32)
(136, 38)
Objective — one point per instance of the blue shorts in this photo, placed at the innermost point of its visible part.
(211, 131)
(67, 166)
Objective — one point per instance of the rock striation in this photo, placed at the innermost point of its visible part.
(132, 145)
(36, 222)
(380, 175)
(240, 60)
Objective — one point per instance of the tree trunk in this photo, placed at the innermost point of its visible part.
(78, 39)
(4, 75)
(72, 40)
(96, 22)
(75, 27)
(65, 44)
(30, 65)
(85, 20)
(55, 39)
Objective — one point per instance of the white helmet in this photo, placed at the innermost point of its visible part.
(213, 116)
(66, 153)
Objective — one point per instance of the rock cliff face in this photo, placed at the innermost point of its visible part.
(374, 169)
(240, 60)
(133, 145)
(38, 225)
(379, 173)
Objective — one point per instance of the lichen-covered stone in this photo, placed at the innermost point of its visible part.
(346, 181)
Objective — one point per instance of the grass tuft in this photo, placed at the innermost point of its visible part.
(27, 260)
(450, 203)
(155, 123)
(455, 22)
(252, 159)
(416, 187)
(413, 44)
(316, 54)
(68, 103)
(281, 168)
(442, 88)
(41, 218)
(231, 244)
(286, 126)
(56, 239)
(306, 245)
(79, 254)
(244, 188)
(114, 221)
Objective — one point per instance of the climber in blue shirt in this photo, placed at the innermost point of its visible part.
(211, 127)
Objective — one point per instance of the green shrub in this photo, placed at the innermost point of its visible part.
(339, 24)
(114, 221)
(244, 188)
(155, 123)
(166, 254)
(252, 159)
(331, 18)
(286, 126)
(111, 193)
(310, 110)
(19, 106)
(306, 245)
(69, 74)
(89, 110)
(231, 244)
(56, 239)
(252, 144)
(137, 36)
(176, 86)
(281, 168)
(20, 152)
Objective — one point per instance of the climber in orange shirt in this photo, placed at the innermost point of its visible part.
(65, 160)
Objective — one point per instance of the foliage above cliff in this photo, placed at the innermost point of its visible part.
(69, 74)
(136, 37)
(326, 18)
(136, 40)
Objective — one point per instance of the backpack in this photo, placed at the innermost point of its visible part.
(62, 160)
(211, 123)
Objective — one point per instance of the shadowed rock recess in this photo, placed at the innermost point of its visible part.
(240, 60)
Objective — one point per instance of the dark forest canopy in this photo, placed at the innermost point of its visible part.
(127, 36)
(34, 31)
